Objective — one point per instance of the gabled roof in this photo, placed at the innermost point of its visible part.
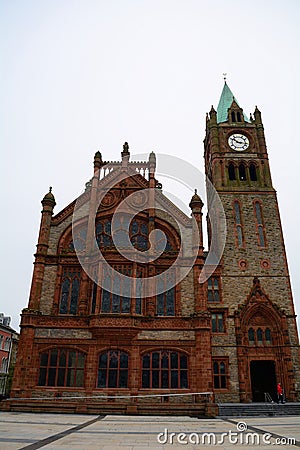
(110, 180)
(225, 103)
(106, 182)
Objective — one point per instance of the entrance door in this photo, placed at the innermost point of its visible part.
(263, 379)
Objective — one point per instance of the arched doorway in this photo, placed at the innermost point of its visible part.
(263, 357)
(263, 379)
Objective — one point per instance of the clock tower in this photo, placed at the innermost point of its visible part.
(258, 339)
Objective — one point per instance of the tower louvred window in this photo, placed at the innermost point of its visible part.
(242, 172)
(231, 172)
(252, 171)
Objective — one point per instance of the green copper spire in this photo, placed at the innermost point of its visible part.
(225, 102)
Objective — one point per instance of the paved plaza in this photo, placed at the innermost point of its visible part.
(85, 432)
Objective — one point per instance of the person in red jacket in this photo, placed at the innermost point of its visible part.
(279, 393)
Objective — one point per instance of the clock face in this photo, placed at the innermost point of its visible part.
(238, 142)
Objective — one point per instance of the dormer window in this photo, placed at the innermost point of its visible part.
(235, 113)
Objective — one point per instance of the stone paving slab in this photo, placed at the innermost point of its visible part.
(27, 431)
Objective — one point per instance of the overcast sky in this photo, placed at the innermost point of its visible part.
(79, 76)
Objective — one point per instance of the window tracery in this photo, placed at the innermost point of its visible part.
(220, 374)
(106, 240)
(69, 291)
(113, 369)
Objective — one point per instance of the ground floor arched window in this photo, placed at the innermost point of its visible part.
(113, 369)
(165, 369)
(61, 367)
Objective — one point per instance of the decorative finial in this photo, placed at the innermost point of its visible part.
(196, 201)
(125, 153)
(225, 76)
(126, 147)
(49, 199)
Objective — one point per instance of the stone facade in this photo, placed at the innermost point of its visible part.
(261, 338)
(211, 340)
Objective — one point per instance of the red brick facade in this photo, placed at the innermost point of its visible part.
(78, 339)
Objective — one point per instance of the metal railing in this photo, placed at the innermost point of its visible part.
(269, 401)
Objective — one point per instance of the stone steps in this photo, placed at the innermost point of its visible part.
(84, 406)
(258, 409)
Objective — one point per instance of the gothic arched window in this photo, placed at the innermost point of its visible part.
(259, 224)
(251, 336)
(165, 300)
(79, 242)
(165, 369)
(242, 172)
(69, 291)
(213, 294)
(116, 289)
(259, 335)
(231, 172)
(103, 234)
(113, 369)
(268, 336)
(238, 224)
(252, 171)
(220, 376)
(110, 234)
(94, 297)
(139, 235)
